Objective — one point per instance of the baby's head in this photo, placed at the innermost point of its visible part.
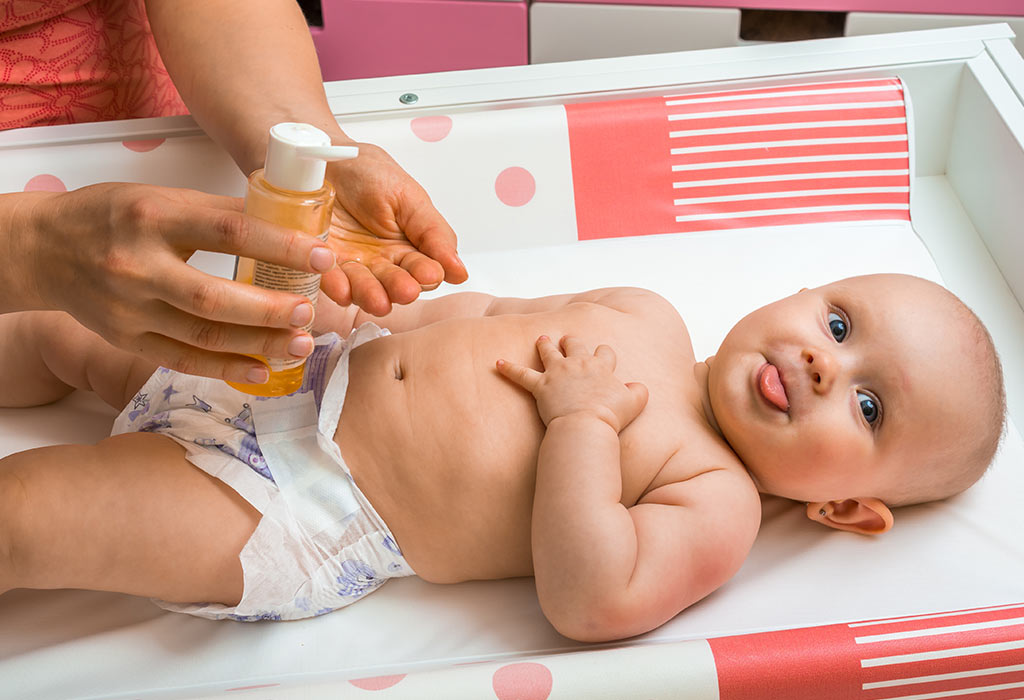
(874, 391)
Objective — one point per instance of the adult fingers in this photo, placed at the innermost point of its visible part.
(366, 290)
(427, 272)
(204, 334)
(400, 286)
(216, 299)
(334, 284)
(523, 376)
(224, 229)
(205, 363)
(431, 234)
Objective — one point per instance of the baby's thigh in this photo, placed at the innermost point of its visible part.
(129, 514)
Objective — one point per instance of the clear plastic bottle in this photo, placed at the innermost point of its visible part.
(290, 190)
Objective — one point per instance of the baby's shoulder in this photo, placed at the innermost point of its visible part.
(718, 504)
(710, 474)
(641, 302)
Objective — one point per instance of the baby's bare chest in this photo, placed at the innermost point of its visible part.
(445, 447)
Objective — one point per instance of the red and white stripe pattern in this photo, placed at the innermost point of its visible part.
(789, 154)
(964, 654)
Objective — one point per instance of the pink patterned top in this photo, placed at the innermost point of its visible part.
(67, 61)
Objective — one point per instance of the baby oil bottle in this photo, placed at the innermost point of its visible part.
(290, 190)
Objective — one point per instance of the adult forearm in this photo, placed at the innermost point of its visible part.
(584, 540)
(22, 245)
(241, 68)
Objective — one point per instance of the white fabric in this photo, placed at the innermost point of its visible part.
(961, 553)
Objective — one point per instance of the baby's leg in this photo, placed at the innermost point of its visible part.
(45, 355)
(128, 514)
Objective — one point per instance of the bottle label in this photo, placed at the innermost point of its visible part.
(286, 279)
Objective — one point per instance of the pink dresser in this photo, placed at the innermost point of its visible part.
(952, 7)
(370, 38)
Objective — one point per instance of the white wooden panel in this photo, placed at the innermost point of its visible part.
(860, 23)
(570, 31)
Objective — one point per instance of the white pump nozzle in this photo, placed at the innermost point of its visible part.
(297, 156)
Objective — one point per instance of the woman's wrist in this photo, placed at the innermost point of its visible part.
(24, 240)
(255, 153)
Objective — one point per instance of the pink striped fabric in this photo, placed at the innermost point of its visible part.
(792, 154)
(975, 653)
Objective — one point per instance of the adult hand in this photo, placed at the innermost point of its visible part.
(390, 240)
(114, 256)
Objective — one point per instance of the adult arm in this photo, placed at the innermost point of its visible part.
(264, 70)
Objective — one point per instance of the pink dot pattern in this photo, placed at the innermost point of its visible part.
(522, 681)
(515, 186)
(142, 145)
(431, 129)
(45, 183)
(377, 682)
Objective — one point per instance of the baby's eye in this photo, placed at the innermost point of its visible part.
(837, 325)
(869, 407)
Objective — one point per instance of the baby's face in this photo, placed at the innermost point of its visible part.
(836, 392)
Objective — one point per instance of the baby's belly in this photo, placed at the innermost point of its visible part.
(446, 451)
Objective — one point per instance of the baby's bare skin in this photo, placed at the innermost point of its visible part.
(457, 484)
(573, 437)
(623, 501)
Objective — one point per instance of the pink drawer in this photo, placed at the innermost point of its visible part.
(370, 38)
(1013, 8)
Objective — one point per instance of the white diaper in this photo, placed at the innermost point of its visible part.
(320, 545)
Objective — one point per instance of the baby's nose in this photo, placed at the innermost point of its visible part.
(821, 368)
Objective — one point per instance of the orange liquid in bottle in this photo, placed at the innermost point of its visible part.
(306, 211)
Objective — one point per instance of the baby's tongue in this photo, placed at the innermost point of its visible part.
(772, 389)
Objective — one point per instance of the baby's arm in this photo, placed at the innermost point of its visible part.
(604, 571)
(45, 355)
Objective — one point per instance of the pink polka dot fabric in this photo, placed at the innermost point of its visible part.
(143, 146)
(801, 153)
(431, 129)
(45, 183)
(515, 186)
(377, 682)
(525, 681)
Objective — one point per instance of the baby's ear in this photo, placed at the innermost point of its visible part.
(868, 516)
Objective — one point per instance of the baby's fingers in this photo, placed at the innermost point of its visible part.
(548, 351)
(605, 354)
(523, 376)
(639, 394)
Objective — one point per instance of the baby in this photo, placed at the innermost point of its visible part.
(572, 438)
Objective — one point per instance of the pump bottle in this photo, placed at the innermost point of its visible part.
(290, 190)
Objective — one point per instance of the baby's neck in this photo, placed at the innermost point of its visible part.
(700, 374)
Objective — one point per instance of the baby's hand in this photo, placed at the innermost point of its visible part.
(578, 382)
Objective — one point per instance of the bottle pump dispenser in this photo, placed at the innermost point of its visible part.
(290, 190)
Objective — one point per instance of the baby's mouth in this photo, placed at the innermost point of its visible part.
(770, 384)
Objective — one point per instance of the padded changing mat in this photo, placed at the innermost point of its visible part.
(539, 214)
